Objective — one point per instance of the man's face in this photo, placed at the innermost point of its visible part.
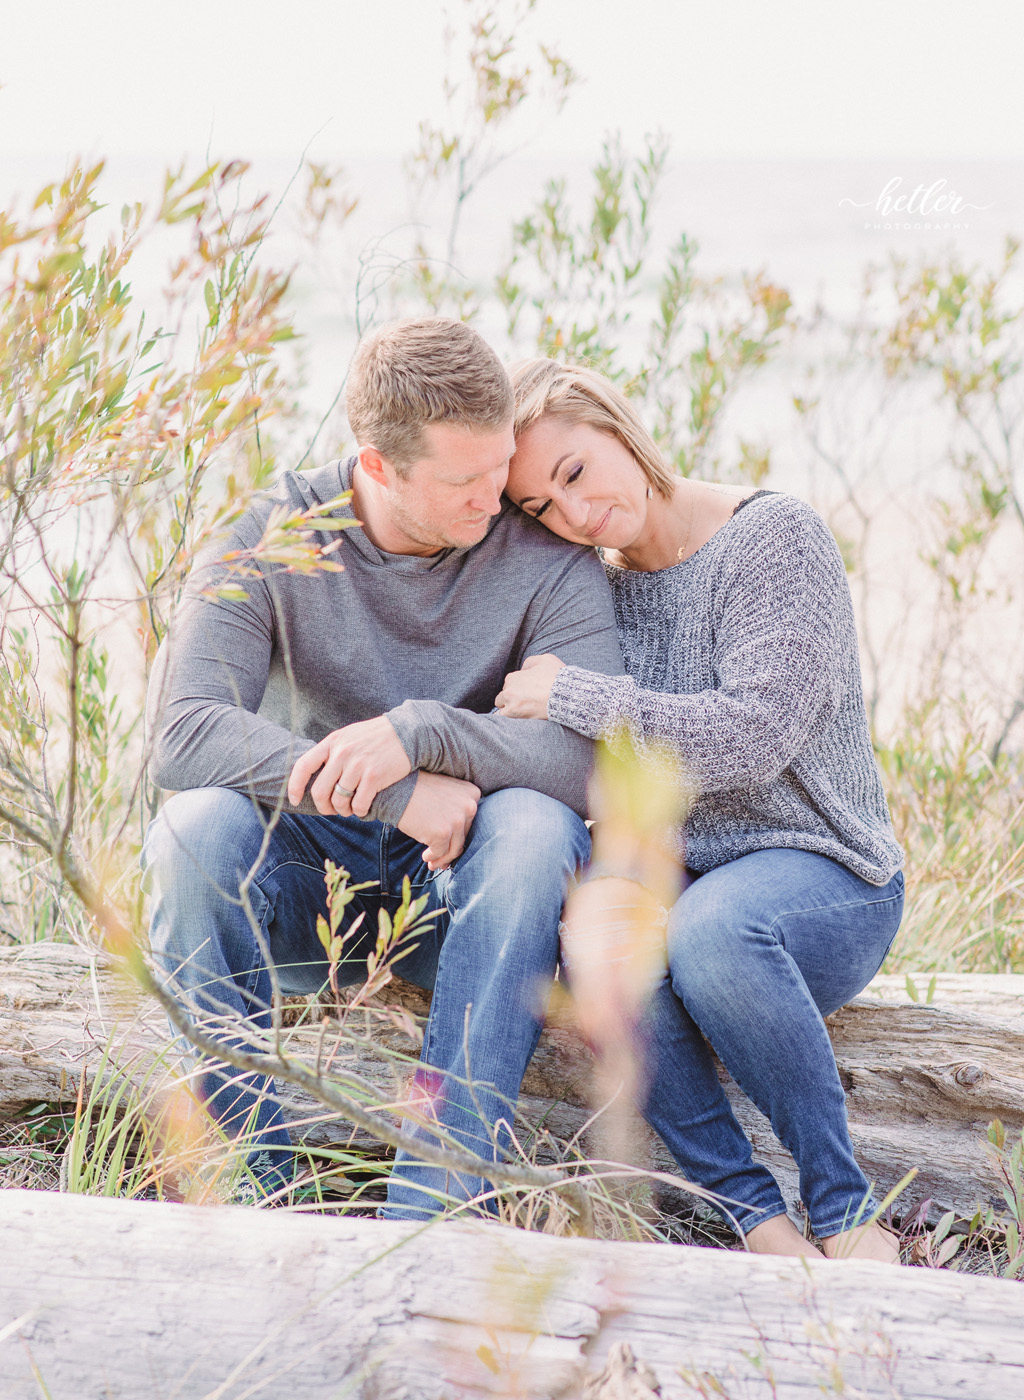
(447, 498)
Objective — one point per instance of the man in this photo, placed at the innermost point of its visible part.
(374, 688)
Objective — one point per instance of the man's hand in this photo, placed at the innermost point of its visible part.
(439, 813)
(355, 763)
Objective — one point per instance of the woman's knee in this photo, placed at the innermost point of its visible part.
(712, 942)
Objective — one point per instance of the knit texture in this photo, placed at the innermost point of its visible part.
(743, 662)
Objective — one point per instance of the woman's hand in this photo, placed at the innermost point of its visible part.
(525, 693)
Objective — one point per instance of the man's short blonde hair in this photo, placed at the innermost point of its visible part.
(580, 395)
(415, 372)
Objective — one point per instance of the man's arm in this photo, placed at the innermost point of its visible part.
(574, 620)
(207, 687)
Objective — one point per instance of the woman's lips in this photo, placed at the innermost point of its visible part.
(599, 527)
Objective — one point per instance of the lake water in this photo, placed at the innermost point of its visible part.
(814, 227)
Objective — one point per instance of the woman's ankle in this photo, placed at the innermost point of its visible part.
(779, 1236)
(870, 1241)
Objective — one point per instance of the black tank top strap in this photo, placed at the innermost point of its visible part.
(747, 499)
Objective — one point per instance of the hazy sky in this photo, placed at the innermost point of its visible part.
(776, 78)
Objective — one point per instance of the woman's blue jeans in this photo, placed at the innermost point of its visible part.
(759, 951)
(489, 956)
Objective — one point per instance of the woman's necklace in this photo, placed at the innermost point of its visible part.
(689, 527)
(652, 556)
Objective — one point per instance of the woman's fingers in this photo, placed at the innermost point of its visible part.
(524, 694)
(510, 699)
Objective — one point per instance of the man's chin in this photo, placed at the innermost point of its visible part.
(462, 536)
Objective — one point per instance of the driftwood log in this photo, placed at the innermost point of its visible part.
(127, 1300)
(923, 1080)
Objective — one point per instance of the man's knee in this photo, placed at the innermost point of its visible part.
(196, 852)
(524, 850)
(531, 830)
(203, 833)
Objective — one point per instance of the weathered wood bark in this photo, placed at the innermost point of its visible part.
(923, 1080)
(128, 1300)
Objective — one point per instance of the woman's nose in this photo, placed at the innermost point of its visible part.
(574, 513)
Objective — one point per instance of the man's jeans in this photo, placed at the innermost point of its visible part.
(760, 949)
(489, 955)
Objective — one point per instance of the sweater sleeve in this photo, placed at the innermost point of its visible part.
(205, 694)
(775, 659)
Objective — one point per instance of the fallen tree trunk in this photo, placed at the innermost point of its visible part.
(923, 1080)
(124, 1299)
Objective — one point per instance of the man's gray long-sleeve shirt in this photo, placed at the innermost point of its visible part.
(242, 688)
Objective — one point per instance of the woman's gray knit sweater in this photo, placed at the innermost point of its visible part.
(743, 659)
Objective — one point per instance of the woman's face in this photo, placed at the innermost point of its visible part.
(581, 483)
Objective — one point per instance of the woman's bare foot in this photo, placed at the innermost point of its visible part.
(780, 1236)
(863, 1242)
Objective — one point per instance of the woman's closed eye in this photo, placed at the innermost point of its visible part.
(573, 475)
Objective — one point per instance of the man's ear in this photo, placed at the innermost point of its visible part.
(373, 465)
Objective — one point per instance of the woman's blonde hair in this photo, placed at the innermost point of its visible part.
(579, 395)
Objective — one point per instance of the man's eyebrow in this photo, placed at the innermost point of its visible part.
(554, 473)
(474, 476)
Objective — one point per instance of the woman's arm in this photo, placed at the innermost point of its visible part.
(784, 645)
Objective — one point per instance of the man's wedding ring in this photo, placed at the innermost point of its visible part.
(340, 791)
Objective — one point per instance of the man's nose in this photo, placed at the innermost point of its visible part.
(488, 496)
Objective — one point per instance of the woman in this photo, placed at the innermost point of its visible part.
(740, 650)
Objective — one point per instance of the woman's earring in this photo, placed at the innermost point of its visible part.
(650, 492)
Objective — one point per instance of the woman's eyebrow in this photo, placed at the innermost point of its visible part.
(554, 473)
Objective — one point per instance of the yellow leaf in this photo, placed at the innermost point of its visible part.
(487, 1356)
(323, 932)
